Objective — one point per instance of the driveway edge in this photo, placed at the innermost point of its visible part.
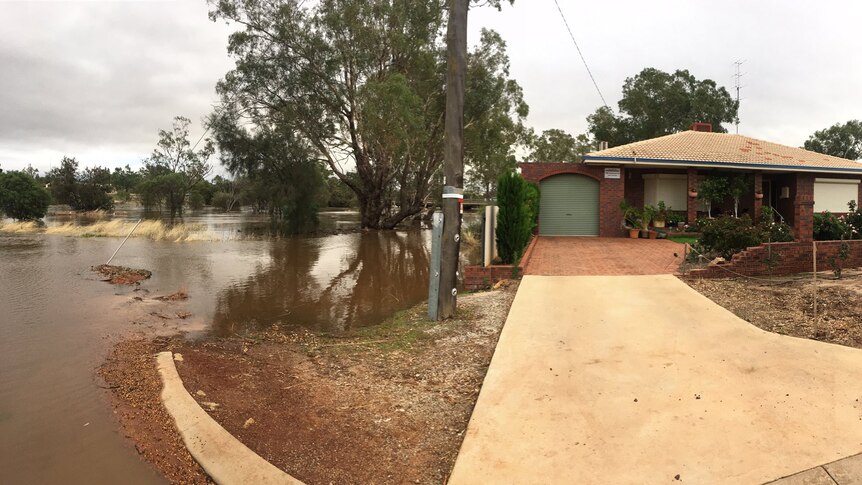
(225, 459)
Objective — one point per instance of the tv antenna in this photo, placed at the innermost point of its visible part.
(737, 78)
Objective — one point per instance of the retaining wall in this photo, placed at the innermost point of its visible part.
(783, 258)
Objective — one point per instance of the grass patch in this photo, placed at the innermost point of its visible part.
(683, 239)
(401, 331)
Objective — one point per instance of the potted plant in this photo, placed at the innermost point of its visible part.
(758, 195)
(631, 218)
(661, 216)
(647, 215)
(674, 219)
(692, 193)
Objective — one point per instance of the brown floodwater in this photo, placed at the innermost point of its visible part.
(57, 321)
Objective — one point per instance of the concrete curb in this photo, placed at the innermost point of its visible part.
(225, 459)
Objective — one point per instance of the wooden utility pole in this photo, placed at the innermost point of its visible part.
(453, 156)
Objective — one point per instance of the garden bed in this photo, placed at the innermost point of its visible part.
(386, 404)
(787, 306)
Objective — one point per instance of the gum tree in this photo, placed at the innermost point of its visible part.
(361, 82)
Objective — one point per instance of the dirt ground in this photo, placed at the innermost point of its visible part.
(387, 404)
(786, 305)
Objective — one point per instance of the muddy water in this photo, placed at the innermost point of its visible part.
(57, 321)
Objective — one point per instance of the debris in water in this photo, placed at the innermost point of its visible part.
(248, 422)
(121, 275)
(178, 357)
(179, 295)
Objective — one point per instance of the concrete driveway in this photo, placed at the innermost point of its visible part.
(641, 380)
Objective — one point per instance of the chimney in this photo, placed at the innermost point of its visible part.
(696, 126)
(603, 145)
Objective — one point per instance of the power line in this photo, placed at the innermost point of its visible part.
(581, 54)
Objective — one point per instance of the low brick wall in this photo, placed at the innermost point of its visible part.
(478, 277)
(787, 258)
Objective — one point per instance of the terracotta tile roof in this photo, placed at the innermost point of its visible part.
(697, 148)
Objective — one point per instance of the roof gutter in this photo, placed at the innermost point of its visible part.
(664, 162)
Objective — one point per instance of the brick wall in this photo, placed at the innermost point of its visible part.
(611, 191)
(788, 258)
(479, 277)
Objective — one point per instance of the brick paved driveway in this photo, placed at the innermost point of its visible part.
(606, 256)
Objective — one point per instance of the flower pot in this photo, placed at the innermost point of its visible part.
(634, 233)
(644, 233)
(653, 234)
(758, 196)
(658, 223)
(692, 194)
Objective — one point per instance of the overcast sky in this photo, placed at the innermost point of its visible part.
(97, 79)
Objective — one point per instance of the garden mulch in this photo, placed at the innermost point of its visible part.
(786, 305)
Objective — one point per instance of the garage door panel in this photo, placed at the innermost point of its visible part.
(569, 206)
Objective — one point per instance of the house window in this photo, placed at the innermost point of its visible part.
(833, 194)
(671, 188)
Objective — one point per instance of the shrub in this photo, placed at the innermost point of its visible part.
(854, 220)
(727, 235)
(21, 197)
(772, 231)
(531, 198)
(514, 219)
(196, 200)
(829, 227)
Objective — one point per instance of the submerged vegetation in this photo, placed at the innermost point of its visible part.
(150, 229)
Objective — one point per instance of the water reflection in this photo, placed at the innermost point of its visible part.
(329, 284)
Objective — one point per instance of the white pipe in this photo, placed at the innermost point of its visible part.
(124, 241)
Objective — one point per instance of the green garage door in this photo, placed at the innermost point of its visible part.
(569, 206)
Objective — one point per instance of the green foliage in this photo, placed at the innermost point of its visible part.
(661, 212)
(532, 196)
(829, 227)
(656, 103)
(64, 181)
(514, 219)
(772, 231)
(854, 220)
(282, 177)
(727, 235)
(124, 179)
(836, 262)
(84, 191)
(92, 190)
(713, 189)
(174, 168)
(361, 80)
(839, 140)
(494, 112)
(21, 197)
(339, 194)
(737, 186)
(637, 218)
(557, 146)
(196, 200)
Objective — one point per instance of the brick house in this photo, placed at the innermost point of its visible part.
(582, 199)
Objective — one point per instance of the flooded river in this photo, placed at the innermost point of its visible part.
(57, 320)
